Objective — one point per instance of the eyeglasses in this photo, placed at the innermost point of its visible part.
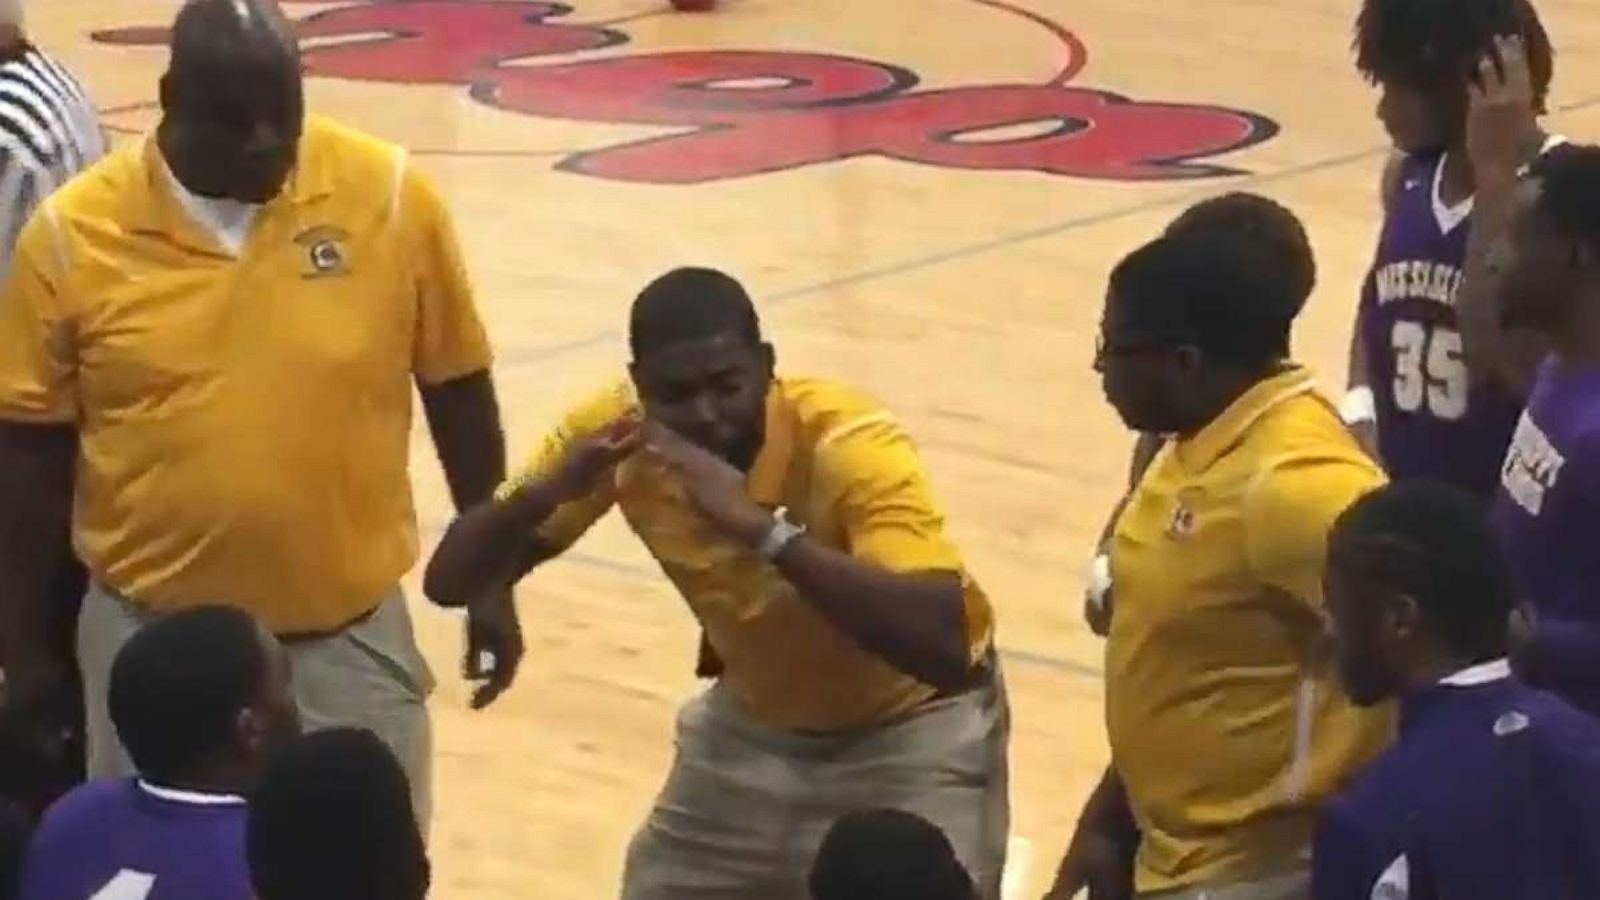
(1106, 350)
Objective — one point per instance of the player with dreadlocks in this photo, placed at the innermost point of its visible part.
(1435, 384)
(1493, 788)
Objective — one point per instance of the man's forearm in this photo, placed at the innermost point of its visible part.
(491, 546)
(914, 621)
(464, 418)
(37, 567)
(1107, 813)
(1490, 352)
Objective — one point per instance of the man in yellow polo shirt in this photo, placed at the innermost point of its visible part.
(795, 518)
(207, 349)
(1226, 725)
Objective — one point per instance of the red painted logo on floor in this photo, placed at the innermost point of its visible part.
(734, 113)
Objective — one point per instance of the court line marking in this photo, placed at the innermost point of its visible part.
(514, 361)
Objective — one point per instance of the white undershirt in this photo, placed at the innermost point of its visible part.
(192, 798)
(1482, 673)
(228, 220)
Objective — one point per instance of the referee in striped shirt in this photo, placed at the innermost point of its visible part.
(48, 128)
(49, 132)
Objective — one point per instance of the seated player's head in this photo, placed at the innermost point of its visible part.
(332, 820)
(232, 102)
(887, 854)
(1548, 257)
(1417, 588)
(1189, 318)
(1263, 222)
(1423, 53)
(699, 363)
(201, 697)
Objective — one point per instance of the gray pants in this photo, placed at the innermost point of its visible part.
(1292, 886)
(370, 675)
(745, 807)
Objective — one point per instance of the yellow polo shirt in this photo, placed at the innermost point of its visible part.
(845, 469)
(245, 420)
(1225, 721)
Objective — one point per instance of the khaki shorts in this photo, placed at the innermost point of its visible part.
(1292, 886)
(369, 675)
(745, 807)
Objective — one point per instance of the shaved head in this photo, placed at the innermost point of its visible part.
(232, 99)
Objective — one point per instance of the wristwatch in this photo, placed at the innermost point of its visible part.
(779, 536)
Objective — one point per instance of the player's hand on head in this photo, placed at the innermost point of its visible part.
(1502, 114)
(494, 646)
(715, 487)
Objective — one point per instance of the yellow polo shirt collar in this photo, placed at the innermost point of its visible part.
(1224, 432)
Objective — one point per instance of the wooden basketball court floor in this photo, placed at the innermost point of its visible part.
(925, 196)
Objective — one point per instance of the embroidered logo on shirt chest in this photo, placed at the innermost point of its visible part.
(1181, 525)
(325, 252)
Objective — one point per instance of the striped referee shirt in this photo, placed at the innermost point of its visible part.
(49, 132)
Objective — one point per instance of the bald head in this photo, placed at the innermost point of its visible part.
(232, 101)
(231, 34)
(10, 12)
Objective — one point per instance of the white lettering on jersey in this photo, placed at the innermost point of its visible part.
(1532, 467)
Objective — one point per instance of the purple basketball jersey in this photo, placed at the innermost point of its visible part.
(1548, 515)
(122, 840)
(1434, 419)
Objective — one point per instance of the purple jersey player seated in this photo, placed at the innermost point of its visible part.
(1440, 412)
(1493, 787)
(199, 699)
(1548, 512)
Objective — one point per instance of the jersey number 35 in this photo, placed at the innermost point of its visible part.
(1428, 371)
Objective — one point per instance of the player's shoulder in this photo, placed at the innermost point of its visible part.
(88, 806)
(1303, 422)
(103, 189)
(600, 406)
(359, 164)
(1552, 722)
(329, 141)
(827, 410)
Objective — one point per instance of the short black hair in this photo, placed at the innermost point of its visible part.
(1438, 43)
(1266, 223)
(1208, 290)
(178, 684)
(1569, 195)
(332, 820)
(690, 304)
(887, 854)
(1434, 543)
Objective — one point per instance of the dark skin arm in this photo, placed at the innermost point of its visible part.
(464, 419)
(1359, 376)
(865, 601)
(1145, 448)
(1502, 136)
(869, 604)
(41, 582)
(490, 547)
(1100, 857)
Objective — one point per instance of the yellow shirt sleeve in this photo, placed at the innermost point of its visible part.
(38, 353)
(870, 473)
(450, 341)
(573, 518)
(1289, 512)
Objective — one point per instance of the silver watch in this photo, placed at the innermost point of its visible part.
(779, 536)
